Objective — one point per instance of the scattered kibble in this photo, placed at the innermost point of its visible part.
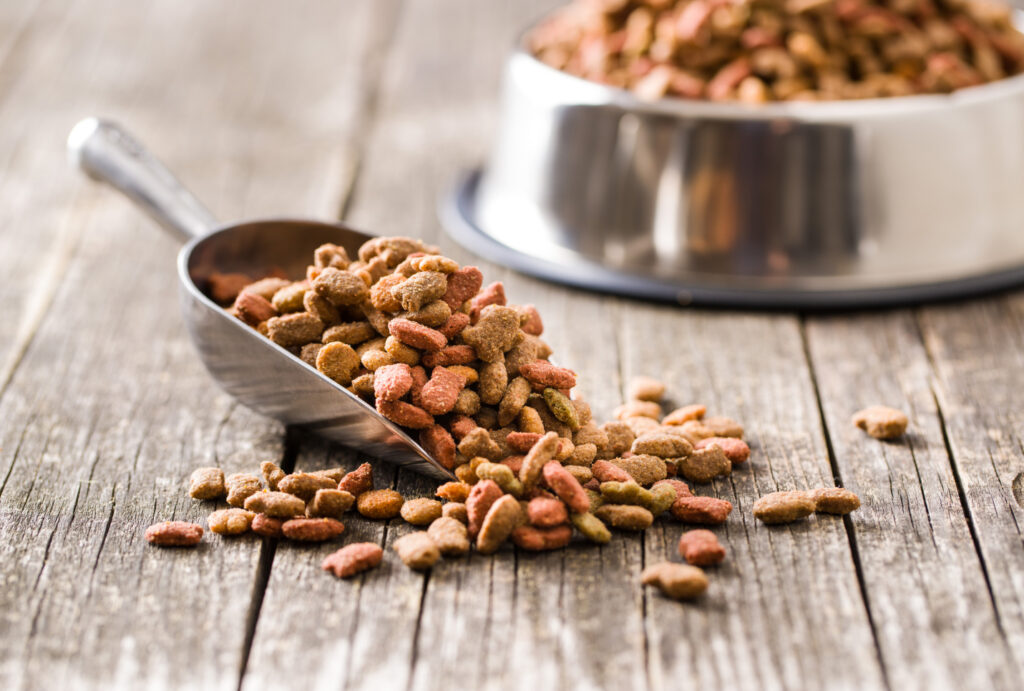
(353, 559)
(784, 507)
(678, 581)
(881, 422)
(230, 521)
(174, 534)
(701, 548)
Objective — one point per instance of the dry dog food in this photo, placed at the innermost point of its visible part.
(450, 536)
(417, 551)
(421, 511)
(784, 507)
(266, 526)
(230, 521)
(835, 500)
(774, 51)
(174, 534)
(312, 529)
(275, 504)
(206, 483)
(353, 559)
(678, 581)
(701, 548)
(379, 504)
(329, 503)
(881, 422)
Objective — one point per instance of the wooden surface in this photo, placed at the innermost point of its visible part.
(367, 109)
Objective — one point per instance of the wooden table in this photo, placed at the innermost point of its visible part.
(366, 110)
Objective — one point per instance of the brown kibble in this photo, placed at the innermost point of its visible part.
(515, 397)
(206, 483)
(226, 287)
(662, 445)
(353, 559)
(330, 254)
(400, 352)
(736, 450)
(835, 500)
(305, 485)
(685, 414)
(351, 333)
(625, 517)
(379, 504)
(701, 510)
(340, 288)
(479, 443)
(502, 518)
(421, 289)
(646, 389)
(240, 487)
(295, 329)
(253, 309)
(417, 550)
(638, 409)
(881, 422)
(723, 427)
(701, 548)
(450, 536)
(493, 382)
(276, 504)
(539, 455)
(784, 507)
(320, 308)
(457, 511)
(312, 529)
(265, 526)
(454, 491)
(330, 503)
(174, 534)
(289, 298)
(704, 465)
(230, 521)
(495, 333)
(620, 439)
(358, 481)
(677, 581)
(338, 361)
(645, 469)
(421, 511)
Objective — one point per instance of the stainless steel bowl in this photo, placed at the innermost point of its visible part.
(789, 205)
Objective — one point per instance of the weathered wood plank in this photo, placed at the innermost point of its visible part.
(975, 348)
(785, 609)
(108, 409)
(924, 582)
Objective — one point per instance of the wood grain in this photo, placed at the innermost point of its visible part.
(923, 578)
(975, 348)
(785, 609)
(107, 409)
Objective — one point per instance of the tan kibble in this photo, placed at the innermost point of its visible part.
(835, 500)
(421, 511)
(881, 422)
(420, 289)
(338, 361)
(678, 581)
(457, 511)
(272, 474)
(450, 536)
(704, 465)
(240, 487)
(723, 427)
(502, 518)
(620, 439)
(454, 491)
(230, 521)
(493, 382)
(380, 504)
(206, 483)
(330, 503)
(645, 469)
(784, 507)
(646, 389)
(305, 485)
(624, 517)
(417, 551)
(662, 444)
(276, 504)
(638, 409)
(351, 333)
(296, 329)
(685, 414)
(340, 287)
(289, 298)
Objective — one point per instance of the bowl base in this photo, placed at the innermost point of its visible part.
(458, 217)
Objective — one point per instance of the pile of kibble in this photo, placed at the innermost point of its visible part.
(436, 351)
(780, 50)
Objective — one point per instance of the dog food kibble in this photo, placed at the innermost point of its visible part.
(835, 500)
(754, 52)
(312, 529)
(353, 559)
(206, 483)
(174, 534)
(329, 503)
(379, 504)
(881, 422)
(701, 548)
(678, 581)
(240, 487)
(419, 338)
(450, 536)
(264, 525)
(421, 511)
(230, 521)
(646, 389)
(417, 551)
(784, 507)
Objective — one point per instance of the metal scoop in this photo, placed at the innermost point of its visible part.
(249, 366)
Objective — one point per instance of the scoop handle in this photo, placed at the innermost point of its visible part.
(107, 153)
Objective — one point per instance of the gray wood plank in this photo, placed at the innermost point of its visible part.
(975, 348)
(923, 578)
(108, 409)
(785, 609)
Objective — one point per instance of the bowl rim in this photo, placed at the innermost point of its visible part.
(570, 88)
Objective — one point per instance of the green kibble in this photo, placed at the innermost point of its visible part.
(660, 498)
(591, 527)
(561, 407)
(502, 475)
(624, 493)
(595, 498)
